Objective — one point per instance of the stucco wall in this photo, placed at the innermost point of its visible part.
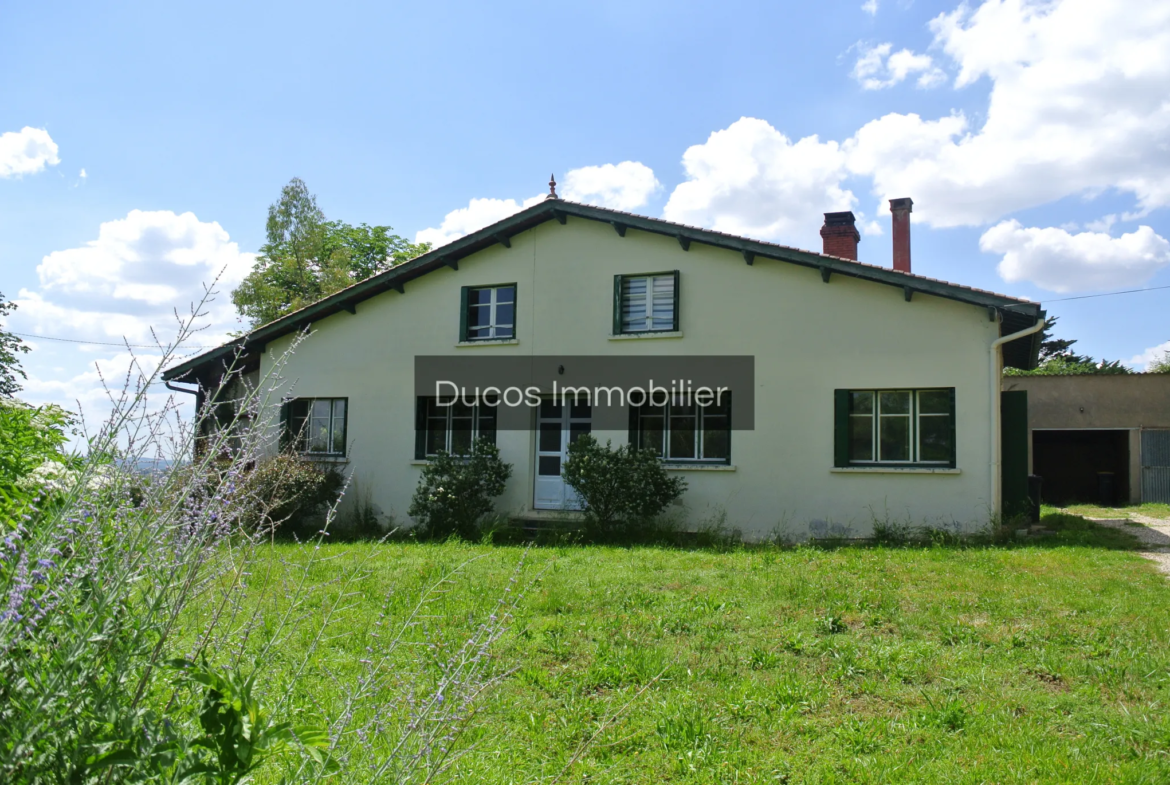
(1130, 401)
(808, 338)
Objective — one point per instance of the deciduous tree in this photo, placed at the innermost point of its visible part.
(11, 348)
(307, 257)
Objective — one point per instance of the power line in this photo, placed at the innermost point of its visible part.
(154, 346)
(102, 343)
(1091, 296)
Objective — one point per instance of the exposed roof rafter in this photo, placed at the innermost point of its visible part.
(1021, 311)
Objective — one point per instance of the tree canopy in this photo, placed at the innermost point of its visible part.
(307, 257)
(10, 349)
(1058, 359)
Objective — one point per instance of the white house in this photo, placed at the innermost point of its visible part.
(876, 391)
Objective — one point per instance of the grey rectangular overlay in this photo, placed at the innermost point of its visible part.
(610, 384)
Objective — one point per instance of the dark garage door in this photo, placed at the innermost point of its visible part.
(1072, 464)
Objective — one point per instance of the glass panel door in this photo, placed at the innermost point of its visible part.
(557, 426)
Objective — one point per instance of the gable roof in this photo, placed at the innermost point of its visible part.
(1017, 314)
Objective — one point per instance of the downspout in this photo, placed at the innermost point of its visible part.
(198, 393)
(996, 386)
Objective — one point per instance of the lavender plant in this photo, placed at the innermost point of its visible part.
(129, 650)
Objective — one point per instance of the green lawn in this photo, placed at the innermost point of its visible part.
(1047, 661)
(1150, 510)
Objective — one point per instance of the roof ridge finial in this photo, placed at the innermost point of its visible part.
(552, 187)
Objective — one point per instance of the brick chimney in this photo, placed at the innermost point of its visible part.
(840, 235)
(900, 212)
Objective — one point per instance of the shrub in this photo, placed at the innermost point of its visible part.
(117, 577)
(286, 491)
(362, 521)
(456, 492)
(33, 461)
(622, 489)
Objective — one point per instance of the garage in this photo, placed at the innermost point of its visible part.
(1096, 438)
(1082, 466)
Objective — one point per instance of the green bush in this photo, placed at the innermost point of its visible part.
(622, 489)
(286, 492)
(33, 461)
(456, 492)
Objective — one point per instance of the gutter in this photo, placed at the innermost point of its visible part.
(500, 232)
(171, 386)
(996, 374)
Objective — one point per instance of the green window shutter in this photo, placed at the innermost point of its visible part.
(617, 305)
(344, 427)
(420, 426)
(953, 442)
(285, 433)
(463, 298)
(676, 319)
(840, 428)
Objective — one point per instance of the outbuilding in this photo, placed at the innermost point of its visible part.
(1098, 439)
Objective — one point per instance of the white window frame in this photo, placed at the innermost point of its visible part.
(302, 439)
(651, 298)
(663, 449)
(449, 431)
(493, 327)
(915, 416)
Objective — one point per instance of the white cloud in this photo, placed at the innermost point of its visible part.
(1080, 103)
(476, 215)
(143, 262)
(870, 7)
(1059, 261)
(26, 151)
(876, 68)
(93, 387)
(751, 179)
(624, 186)
(116, 288)
(1149, 356)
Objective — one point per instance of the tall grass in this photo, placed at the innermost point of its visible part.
(127, 653)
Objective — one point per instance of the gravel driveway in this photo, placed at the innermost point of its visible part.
(1153, 532)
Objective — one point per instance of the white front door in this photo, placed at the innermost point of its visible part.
(557, 426)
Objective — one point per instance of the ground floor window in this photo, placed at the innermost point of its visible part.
(683, 431)
(895, 427)
(316, 426)
(452, 425)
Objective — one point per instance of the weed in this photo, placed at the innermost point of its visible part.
(830, 624)
(950, 714)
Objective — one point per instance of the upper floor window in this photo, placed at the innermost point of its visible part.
(316, 425)
(646, 303)
(489, 313)
(887, 427)
(451, 425)
(683, 431)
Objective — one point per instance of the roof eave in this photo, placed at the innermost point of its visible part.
(550, 209)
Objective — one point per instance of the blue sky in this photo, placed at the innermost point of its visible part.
(1031, 137)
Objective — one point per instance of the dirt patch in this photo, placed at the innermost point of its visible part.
(1053, 681)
